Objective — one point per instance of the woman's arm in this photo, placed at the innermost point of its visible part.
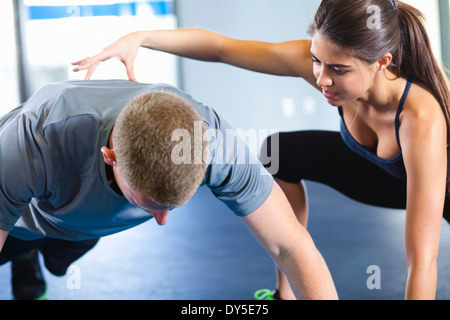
(290, 58)
(424, 144)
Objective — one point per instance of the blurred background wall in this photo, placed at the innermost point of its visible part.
(44, 36)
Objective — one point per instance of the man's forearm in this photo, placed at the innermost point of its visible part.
(308, 273)
(290, 245)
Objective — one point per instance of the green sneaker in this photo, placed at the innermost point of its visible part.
(266, 294)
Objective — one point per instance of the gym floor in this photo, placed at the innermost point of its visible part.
(206, 253)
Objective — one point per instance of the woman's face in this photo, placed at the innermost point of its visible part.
(341, 77)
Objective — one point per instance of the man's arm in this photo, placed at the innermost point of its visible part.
(275, 227)
(3, 235)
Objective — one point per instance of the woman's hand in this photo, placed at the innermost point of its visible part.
(125, 49)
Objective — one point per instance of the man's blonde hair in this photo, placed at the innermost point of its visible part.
(142, 142)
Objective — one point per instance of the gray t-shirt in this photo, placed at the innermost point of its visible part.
(52, 173)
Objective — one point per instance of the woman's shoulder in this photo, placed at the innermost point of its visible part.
(422, 118)
(422, 105)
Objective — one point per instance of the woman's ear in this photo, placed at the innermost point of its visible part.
(109, 156)
(384, 61)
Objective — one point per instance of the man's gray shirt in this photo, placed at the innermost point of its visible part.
(52, 173)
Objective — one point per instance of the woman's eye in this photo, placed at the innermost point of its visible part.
(340, 72)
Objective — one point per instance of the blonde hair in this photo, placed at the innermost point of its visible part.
(143, 145)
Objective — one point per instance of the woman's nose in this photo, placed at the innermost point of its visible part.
(323, 79)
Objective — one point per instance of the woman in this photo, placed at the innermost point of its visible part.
(394, 100)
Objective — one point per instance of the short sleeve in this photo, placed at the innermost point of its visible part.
(21, 169)
(235, 175)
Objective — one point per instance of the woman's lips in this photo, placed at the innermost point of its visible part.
(329, 95)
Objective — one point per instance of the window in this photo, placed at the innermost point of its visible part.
(437, 14)
(431, 11)
(445, 33)
(9, 83)
(57, 33)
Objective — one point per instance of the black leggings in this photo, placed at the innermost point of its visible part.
(323, 157)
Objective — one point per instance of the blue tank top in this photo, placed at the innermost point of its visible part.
(395, 166)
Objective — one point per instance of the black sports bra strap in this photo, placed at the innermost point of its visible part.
(400, 109)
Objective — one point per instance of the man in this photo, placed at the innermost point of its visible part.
(85, 159)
